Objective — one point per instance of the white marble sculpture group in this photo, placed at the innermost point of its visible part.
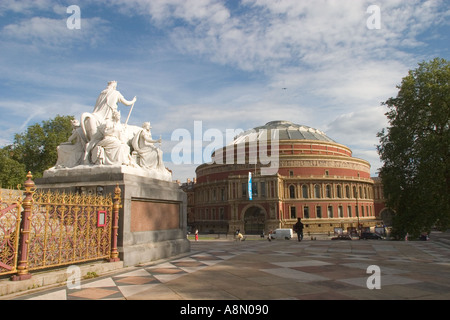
(101, 139)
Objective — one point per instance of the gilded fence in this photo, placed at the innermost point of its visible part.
(10, 209)
(69, 228)
(57, 229)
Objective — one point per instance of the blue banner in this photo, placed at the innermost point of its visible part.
(250, 193)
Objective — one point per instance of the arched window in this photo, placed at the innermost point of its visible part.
(291, 192)
(330, 211)
(339, 191)
(318, 212)
(347, 191)
(305, 191)
(317, 191)
(293, 211)
(328, 191)
(306, 212)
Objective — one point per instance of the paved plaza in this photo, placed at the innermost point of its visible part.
(283, 269)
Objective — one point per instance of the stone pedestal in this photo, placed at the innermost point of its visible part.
(153, 217)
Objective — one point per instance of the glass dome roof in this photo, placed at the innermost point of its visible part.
(287, 131)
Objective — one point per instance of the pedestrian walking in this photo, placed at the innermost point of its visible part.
(270, 235)
(298, 228)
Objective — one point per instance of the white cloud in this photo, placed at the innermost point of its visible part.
(224, 63)
(44, 32)
(309, 33)
(24, 6)
(17, 115)
(358, 131)
(191, 11)
(358, 128)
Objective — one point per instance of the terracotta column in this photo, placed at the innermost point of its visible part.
(22, 268)
(115, 228)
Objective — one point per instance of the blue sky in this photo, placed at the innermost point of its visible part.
(224, 63)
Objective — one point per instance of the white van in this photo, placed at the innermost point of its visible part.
(286, 234)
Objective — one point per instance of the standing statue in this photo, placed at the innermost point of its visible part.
(105, 106)
(107, 102)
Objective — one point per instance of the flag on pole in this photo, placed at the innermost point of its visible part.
(250, 195)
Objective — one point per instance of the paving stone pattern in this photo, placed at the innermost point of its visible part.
(282, 269)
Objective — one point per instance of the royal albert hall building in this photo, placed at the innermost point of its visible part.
(318, 180)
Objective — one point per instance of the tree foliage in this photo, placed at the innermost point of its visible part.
(415, 150)
(12, 173)
(33, 150)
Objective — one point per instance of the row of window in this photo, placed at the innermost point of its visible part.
(237, 190)
(210, 215)
(362, 193)
(259, 190)
(363, 212)
(213, 194)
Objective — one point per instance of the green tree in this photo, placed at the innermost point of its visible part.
(12, 172)
(36, 147)
(415, 150)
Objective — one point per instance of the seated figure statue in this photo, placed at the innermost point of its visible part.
(113, 148)
(70, 153)
(149, 156)
(100, 139)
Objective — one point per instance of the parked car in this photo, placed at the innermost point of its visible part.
(370, 235)
(342, 237)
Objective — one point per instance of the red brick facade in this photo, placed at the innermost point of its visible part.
(318, 180)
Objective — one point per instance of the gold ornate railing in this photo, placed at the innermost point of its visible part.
(10, 209)
(56, 229)
(65, 229)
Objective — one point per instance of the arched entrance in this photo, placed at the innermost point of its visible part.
(254, 220)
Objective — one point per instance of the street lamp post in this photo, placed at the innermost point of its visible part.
(357, 214)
